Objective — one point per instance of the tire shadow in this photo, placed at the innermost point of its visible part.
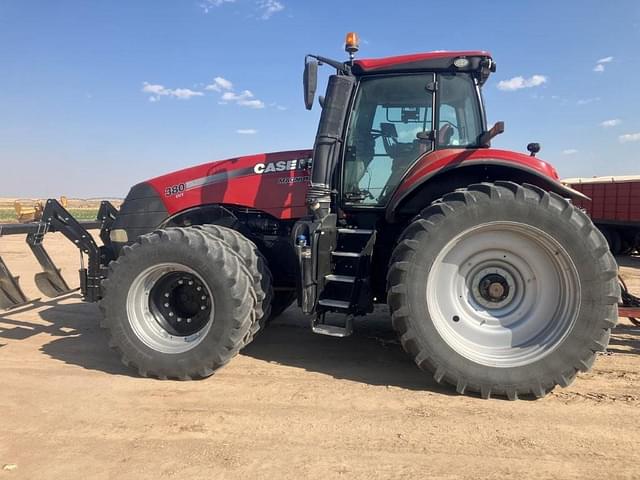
(75, 324)
(625, 339)
(372, 355)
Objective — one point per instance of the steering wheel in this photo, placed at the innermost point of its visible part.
(447, 122)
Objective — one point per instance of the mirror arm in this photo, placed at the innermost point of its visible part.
(339, 66)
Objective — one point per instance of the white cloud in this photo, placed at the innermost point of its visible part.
(569, 151)
(629, 137)
(611, 123)
(219, 84)
(154, 88)
(208, 5)
(587, 101)
(600, 64)
(516, 83)
(269, 7)
(158, 91)
(235, 97)
(185, 93)
(244, 99)
(251, 103)
(247, 131)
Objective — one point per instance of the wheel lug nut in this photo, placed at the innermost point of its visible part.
(190, 282)
(203, 297)
(171, 314)
(166, 305)
(203, 307)
(188, 320)
(198, 288)
(166, 295)
(179, 319)
(180, 282)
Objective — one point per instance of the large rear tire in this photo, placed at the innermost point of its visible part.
(503, 289)
(256, 263)
(178, 303)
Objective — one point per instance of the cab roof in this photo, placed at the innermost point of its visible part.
(428, 61)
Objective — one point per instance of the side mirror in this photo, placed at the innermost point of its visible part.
(310, 80)
(497, 129)
(533, 148)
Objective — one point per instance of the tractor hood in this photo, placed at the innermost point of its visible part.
(274, 183)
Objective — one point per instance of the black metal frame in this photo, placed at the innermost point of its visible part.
(55, 218)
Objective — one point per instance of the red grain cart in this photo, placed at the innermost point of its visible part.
(614, 208)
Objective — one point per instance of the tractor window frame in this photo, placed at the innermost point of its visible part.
(479, 112)
(340, 173)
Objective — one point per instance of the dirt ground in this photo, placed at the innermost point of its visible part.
(292, 405)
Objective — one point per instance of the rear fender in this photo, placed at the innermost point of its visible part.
(433, 185)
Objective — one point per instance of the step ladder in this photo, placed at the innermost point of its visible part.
(346, 289)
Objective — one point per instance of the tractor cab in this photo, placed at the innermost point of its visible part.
(379, 118)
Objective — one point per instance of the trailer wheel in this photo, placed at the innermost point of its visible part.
(177, 304)
(256, 263)
(503, 289)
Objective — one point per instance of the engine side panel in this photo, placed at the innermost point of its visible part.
(275, 183)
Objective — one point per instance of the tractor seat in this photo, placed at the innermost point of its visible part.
(444, 135)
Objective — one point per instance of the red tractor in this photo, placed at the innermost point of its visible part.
(496, 282)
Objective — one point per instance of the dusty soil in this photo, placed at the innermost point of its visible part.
(292, 405)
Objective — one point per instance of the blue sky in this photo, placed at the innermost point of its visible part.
(98, 95)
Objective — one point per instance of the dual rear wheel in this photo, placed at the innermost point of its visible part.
(181, 302)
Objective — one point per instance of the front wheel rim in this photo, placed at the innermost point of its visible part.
(503, 294)
(170, 308)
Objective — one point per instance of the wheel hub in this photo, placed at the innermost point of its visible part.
(170, 307)
(180, 303)
(493, 287)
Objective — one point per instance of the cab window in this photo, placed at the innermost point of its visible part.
(391, 126)
(459, 121)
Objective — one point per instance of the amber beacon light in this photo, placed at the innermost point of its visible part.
(352, 43)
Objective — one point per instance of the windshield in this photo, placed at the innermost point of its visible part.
(390, 128)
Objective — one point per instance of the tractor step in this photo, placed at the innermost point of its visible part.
(346, 254)
(340, 278)
(318, 326)
(340, 304)
(345, 287)
(356, 231)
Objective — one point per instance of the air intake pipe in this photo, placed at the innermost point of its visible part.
(326, 149)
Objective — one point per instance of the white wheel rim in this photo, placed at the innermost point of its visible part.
(144, 320)
(539, 292)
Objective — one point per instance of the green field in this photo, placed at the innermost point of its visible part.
(9, 214)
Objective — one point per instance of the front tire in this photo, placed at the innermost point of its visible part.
(178, 303)
(503, 289)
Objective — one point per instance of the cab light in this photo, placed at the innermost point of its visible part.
(461, 62)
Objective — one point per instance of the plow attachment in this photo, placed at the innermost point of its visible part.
(55, 218)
